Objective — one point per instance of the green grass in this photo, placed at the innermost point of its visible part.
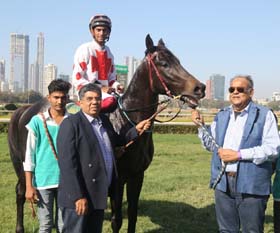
(175, 197)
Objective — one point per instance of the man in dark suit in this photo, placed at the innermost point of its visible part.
(85, 145)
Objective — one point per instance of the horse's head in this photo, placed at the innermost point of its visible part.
(168, 76)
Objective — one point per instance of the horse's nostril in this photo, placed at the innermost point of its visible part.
(196, 89)
(200, 89)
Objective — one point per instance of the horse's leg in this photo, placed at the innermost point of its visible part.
(116, 206)
(133, 189)
(20, 198)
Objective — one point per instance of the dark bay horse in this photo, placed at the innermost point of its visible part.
(159, 73)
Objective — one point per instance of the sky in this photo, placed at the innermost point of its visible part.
(209, 37)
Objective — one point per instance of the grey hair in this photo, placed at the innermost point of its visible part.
(89, 87)
(247, 77)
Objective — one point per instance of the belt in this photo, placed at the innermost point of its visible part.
(232, 174)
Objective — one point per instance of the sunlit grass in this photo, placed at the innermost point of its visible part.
(175, 197)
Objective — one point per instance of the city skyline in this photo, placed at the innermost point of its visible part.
(227, 38)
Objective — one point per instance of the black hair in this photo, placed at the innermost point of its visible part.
(59, 85)
(89, 87)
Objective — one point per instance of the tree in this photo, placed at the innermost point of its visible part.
(24, 97)
(217, 104)
(34, 96)
(274, 105)
(10, 107)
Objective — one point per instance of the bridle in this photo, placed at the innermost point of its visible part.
(151, 67)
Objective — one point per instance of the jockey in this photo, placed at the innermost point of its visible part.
(94, 63)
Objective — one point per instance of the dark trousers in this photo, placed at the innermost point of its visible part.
(276, 216)
(235, 209)
(89, 223)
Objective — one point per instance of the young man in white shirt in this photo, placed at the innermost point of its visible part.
(40, 165)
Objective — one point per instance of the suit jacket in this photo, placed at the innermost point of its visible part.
(82, 167)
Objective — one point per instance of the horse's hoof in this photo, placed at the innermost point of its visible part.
(115, 226)
(20, 230)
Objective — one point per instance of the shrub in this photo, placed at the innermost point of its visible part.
(4, 127)
(10, 107)
(175, 129)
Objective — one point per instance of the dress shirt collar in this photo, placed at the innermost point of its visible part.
(92, 119)
(48, 116)
(244, 111)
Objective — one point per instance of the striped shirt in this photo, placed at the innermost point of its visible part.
(104, 143)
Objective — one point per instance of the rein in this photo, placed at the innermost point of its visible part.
(164, 104)
(214, 143)
(172, 118)
(150, 118)
(122, 149)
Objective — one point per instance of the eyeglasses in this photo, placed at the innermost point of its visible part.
(239, 89)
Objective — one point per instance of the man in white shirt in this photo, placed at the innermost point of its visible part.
(40, 165)
(248, 140)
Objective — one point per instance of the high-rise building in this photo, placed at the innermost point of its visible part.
(4, 86)
(40, 62)
(65, 77)
(19, 64)
(72, 93)
(2, 70)
(2, 74)
(216, 87)
(275, 96)
(33, 77)
(50, 74)
(132, 64)
(208, 90)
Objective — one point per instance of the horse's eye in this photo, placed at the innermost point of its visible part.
(164, 64)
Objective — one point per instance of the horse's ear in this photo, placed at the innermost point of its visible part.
(149, 45)
(161, 43)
